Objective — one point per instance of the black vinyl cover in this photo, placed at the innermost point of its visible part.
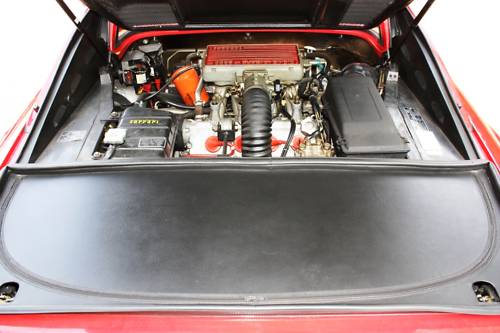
(249, 233)
(175, 14)
(360, 119)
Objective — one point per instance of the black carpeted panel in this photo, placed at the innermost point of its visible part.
(150, 14)
(221, 232)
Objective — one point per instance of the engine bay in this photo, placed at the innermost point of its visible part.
(252, 96)
(232, 100)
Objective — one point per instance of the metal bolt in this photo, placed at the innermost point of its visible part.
(97, 155)
(308, 127)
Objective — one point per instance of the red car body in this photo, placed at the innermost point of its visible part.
(484, 136)
(206, 323)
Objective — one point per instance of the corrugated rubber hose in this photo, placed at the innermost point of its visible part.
(256, 121)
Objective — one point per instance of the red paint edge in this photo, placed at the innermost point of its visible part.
(16, 135)
(484, 135)
(193, 323)
(380, 46)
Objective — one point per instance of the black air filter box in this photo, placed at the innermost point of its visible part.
(149, 133)
(360, 120)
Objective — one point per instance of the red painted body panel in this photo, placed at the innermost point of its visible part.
(189, 323)
(487, 139)
(12, 139)
(379, 46)
(485, 136)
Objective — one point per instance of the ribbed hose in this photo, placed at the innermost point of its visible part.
(256, 118)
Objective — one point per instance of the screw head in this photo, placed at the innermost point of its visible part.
(97, 155)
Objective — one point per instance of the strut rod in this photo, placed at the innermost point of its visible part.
(413, 25)
(82, 30)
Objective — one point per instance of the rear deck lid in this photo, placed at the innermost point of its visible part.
(187, 14)
(250, 233)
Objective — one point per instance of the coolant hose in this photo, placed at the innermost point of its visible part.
(256, 121)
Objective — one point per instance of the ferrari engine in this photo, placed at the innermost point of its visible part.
(261, 104)
(247, 100)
